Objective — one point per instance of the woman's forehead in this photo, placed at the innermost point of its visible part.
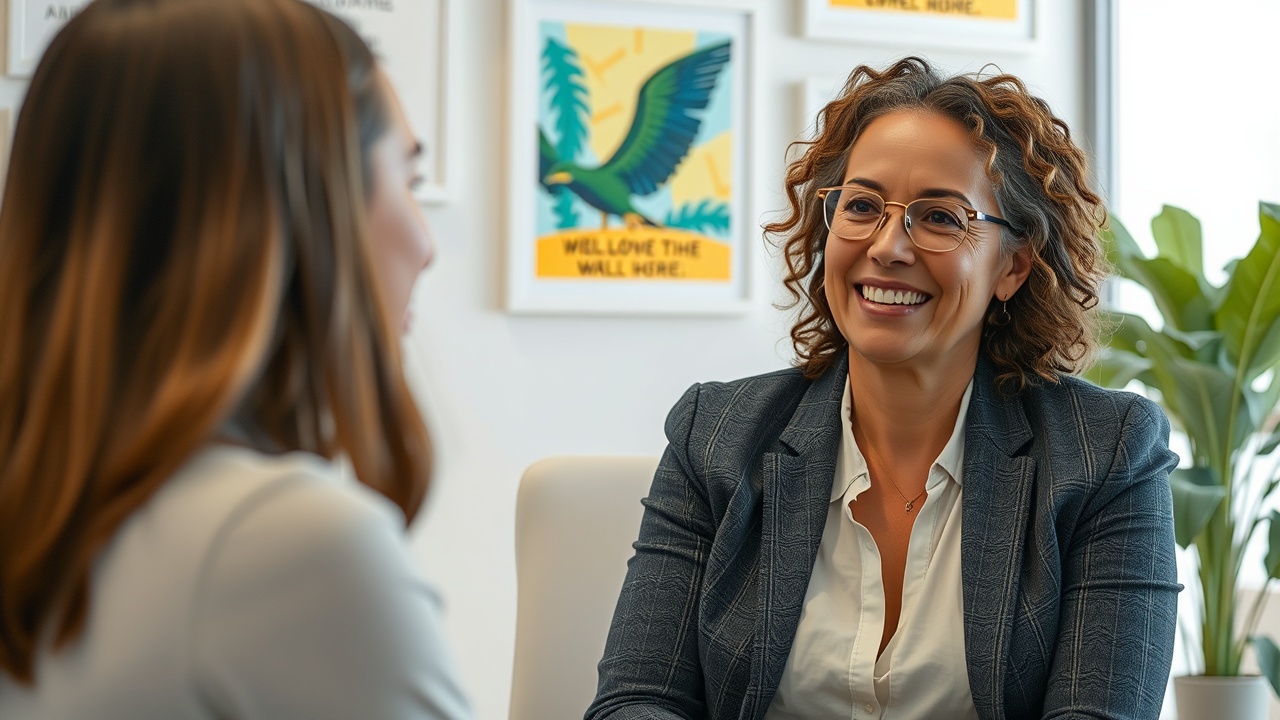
(909, 149)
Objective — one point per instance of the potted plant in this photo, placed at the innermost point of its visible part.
(1215, 368)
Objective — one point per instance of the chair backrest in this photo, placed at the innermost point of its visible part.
(576, 518)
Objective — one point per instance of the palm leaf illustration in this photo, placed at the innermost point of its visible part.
(562, 80)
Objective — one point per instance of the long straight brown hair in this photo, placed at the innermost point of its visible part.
(182, 259)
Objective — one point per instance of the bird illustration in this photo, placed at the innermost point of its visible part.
(667, 119)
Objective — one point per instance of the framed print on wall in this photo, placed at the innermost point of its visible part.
(408, 39)
(32, 24)
(991, 25)
(627, 185)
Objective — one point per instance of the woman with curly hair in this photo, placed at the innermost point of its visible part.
(929, 516)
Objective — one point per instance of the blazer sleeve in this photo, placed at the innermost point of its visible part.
(1120, 591)
(651, 666)
(310, 606)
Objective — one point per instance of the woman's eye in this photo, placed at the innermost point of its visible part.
(862, 207)
(938, 216)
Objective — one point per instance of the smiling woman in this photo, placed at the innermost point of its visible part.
(927, 516)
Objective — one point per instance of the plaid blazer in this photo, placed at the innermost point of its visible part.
(1067, 551)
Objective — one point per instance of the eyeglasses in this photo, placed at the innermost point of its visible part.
(933, 224)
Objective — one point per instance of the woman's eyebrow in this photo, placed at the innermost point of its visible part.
(926, 193)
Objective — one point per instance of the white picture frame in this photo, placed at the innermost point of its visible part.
(1009, 26)
(410, 39)
(32, 24)
(559, 256)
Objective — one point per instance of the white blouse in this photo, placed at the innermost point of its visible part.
(833, 671)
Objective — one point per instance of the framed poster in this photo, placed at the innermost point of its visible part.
(32, 24)
(409, 39)
(989, 25)
(627, 186)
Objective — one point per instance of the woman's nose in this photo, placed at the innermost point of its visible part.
(891, 243)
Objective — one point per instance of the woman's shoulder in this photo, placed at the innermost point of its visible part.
(1088, 431)
(733, 422)
(1076, 400)
(297, 492)
(747, 395)
(231, 514)
(266, 510)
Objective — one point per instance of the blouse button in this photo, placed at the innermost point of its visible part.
(868, 707)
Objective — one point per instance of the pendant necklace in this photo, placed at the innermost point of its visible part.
(911, 503)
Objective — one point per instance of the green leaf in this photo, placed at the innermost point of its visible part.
(1272, 560)
(1134, 334)
(1177, 293)
(1251, 306)
(1177, 235)
(1270, 444)
(1204, 399)
(1198, 395)
(700, 217)
(1268, 659)
(1205, 345)
(1262, 403)
(1196, 497)
(1115, 368)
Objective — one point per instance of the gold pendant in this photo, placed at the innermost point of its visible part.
(909, 503)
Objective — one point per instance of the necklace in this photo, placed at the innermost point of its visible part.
(911, 503)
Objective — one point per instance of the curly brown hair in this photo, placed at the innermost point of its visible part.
(1041, 185)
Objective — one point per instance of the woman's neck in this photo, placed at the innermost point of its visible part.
(905, 412)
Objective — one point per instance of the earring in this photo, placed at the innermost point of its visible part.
(1004, 317)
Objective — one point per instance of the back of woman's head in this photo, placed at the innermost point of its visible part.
(1040, 180)
(182, 258)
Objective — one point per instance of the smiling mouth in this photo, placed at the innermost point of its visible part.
(882, 296)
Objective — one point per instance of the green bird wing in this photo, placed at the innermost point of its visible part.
(667, 119)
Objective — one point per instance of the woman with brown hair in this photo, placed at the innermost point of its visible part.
(207, 244)
(929, 517)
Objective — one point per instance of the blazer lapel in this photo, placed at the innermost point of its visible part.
(998, 485)
(796, 492)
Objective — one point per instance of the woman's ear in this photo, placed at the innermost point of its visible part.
(1015, 271)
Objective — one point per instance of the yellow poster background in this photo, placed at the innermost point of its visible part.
(642, 254)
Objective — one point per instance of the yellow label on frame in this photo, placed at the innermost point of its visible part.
(649, 253)
(989, 9)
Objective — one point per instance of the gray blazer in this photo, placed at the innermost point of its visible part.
(1067, 551)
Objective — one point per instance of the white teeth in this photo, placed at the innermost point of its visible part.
(891, 297)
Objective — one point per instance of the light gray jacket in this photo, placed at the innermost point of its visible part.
(252, 587)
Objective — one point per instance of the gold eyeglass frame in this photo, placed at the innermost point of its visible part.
(969, 212)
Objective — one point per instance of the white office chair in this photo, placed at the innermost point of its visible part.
(576, 518)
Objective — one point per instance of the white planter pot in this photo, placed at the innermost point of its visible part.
(1201, 697)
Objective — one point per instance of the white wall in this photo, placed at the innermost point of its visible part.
(503, 391)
